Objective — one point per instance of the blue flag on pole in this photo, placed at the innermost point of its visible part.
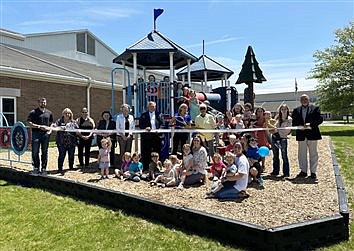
(157, 13)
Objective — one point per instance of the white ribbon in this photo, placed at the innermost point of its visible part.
(172, 130)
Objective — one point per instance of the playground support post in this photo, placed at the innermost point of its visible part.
(124, 85)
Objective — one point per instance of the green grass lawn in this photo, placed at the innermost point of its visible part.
(343, 141)
(33, 219)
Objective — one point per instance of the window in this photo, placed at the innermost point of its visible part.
(90, 45)
(80, 42)
(8, 110)
(85, 43)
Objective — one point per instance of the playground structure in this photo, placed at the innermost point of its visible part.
(156, 52)
(290, 237)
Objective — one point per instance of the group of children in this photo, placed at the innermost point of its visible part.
(173, 172)
(251, 149)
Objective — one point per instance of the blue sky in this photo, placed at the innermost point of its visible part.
(284, 34)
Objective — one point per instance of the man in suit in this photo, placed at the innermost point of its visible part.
(308, 116)
(150, 141)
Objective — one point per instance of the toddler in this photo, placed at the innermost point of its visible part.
(179, 89)
(239, 122)
(167, 178)
(230, 146)
(155, 165)
(253, 158)
(271, 123)
(126, 160)
(135, 169)
(230, 170)
(193, 105)
(217, 168)
(176, 164)
(187, 163)
(104, 157)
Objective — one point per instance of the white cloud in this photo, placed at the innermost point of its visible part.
(217, 41)
(111, 13)
(86, 17)
(71, 22)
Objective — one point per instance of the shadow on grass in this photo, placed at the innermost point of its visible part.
(340, 133)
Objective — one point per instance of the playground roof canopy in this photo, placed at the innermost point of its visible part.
(153, 53)
(215, 71)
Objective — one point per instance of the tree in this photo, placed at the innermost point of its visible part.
(334, 70)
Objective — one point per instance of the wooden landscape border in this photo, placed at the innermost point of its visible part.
(298, 236)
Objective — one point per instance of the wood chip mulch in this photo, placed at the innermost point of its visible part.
(281, 202)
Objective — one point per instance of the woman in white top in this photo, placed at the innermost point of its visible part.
(125, 121)
(198, 173)
(238, 190)
(280, 140)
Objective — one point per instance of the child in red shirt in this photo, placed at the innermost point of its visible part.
(217, 167)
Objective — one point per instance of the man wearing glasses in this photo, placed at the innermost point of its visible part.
(308, 116)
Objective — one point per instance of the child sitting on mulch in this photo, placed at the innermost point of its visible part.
(126, 161)
(187, 164)
(167, 178)
(217, 168)
(176, 164)
(135, 169)
(155, 166)
(230, 170)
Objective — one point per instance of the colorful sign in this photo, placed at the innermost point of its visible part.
(19, 138)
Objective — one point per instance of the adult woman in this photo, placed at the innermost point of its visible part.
(261, 135)
(240, 178)
(125, 121)
(106, 123)
(280, 142)
(179, 121)
(85, 122)
(237, 109)
(198, 173)
(66, 141)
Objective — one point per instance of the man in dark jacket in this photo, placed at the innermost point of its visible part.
(308, 116)
(150, 141)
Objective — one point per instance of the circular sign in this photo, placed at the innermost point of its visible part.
(19, 138)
